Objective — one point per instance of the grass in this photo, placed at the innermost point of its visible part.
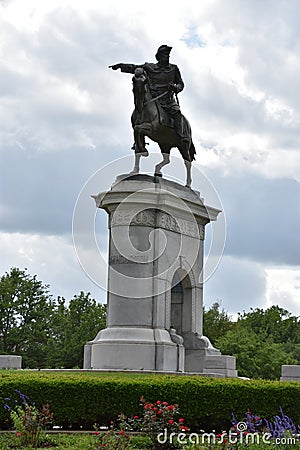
(70, 441)
(87, 441)
(57, 442)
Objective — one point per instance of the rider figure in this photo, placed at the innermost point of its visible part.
(165, 82)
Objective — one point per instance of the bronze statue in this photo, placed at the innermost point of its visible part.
(157, 113)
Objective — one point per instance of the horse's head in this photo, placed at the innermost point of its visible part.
(139, 81)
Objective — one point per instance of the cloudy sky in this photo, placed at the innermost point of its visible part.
(65, 133)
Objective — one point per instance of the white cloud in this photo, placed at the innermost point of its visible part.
(247, 286)
(283, 288)
(253, 285)
(52, 259)
(64, 114)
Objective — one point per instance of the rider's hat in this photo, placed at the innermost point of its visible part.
(163, 48)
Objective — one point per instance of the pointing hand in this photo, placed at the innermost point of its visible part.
(115, 66)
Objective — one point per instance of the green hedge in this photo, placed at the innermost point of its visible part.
(82, 399)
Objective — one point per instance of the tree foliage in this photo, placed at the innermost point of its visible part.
(73, 326)
(261, 340)
(46, 332)
(216, 322)
(51, 333)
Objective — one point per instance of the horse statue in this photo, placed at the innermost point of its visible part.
(151, 120)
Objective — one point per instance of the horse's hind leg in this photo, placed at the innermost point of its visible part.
(188, 166)
(164, 162)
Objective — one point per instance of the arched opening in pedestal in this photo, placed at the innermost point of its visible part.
(181, 303)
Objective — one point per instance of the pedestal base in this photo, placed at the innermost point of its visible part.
(135, 349)
(202, 357)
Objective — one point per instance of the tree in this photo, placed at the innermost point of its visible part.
(274, 323)
(72, 327)
(256, 357)
(25, 310)
(263, 340)
(216, 322)
(47, 333)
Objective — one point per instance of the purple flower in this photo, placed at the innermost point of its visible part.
(24, 398)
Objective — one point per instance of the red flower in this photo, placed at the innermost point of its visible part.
(155, 409)
(165, 403)
(171, 407)
(183, 428)
(158, 402)
(159, 412)
(96, 432)
(135, 417)
(170, 422)
(121, 432)
(181, 420)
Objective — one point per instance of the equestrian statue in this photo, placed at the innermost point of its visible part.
(157, 112)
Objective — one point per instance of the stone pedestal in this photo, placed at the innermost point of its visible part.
(155, 292)
(10, 362)
(290, 373)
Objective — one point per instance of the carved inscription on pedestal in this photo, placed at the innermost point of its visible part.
(158, 219)
(145, 218)
(133, 259)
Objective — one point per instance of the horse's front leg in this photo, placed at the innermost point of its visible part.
(139, 139)
(188, 166)
(164, 162)
(136, 168)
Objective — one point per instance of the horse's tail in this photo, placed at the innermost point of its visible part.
(192, 151)
(188, 133)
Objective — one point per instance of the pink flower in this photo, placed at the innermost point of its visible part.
(170, 422)
(181, 420)
(159, 412)
(18, 434)
(158, 402)
(171, 407)
(135, 417)
(165, 403)
(121, 432)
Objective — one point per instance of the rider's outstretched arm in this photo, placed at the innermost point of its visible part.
(127, 68)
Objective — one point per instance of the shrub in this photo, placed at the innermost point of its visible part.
(82, 399)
